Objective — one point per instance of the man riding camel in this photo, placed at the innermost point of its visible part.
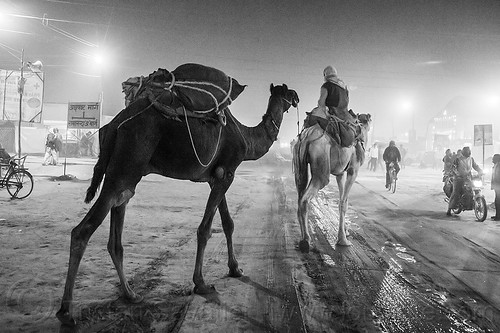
(332, 109)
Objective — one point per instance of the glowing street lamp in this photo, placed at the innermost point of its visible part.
(407, 107)
(492, 101)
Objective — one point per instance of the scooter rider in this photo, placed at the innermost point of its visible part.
(461, 172)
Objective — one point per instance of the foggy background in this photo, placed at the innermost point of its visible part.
(403, 61)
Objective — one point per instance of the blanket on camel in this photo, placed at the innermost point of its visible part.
(344, 131)
(193, 90)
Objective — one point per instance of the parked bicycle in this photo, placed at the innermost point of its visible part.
(392, 178)
(17, 180)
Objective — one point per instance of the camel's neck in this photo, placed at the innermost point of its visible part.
(260, 138)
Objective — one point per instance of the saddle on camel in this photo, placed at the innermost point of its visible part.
(190, 90)
(341, 126)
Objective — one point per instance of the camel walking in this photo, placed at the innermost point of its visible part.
(140, 141)
(324, 156)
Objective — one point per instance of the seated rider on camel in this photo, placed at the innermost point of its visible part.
(332, 110)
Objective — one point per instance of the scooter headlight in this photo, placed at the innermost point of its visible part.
(477, 183)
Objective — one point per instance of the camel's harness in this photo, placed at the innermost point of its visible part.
(219, 112)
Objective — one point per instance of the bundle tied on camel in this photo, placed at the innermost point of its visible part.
(192, 90)
(345, 131)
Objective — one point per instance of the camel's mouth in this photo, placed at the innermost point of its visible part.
(295, 99)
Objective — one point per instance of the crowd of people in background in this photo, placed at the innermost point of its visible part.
(457, 164)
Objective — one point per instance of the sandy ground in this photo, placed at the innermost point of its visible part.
(411, 269)
(160, 244)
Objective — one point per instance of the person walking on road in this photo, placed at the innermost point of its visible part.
(372, 163)
(58, 143)
(50, 148)
(402, 151)
(495, 185)
(380, 158)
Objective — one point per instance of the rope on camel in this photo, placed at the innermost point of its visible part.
(186, 85)
(194, 148)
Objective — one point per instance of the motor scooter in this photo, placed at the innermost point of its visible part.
(472, 197)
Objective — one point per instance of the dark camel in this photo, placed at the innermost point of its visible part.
(140, 141)
(325, 156)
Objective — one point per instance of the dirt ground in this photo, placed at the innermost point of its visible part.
(160, 243)
(410, 269)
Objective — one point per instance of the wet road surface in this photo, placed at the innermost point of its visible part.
(383, 283)
(410, 269)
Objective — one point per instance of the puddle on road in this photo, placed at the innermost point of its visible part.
(400, 307)
(327, 259)
(402, 302)
(406, 257)
(398, 250)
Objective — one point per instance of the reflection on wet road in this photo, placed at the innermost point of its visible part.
(379, 291)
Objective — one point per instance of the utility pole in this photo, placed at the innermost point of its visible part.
(21, 91)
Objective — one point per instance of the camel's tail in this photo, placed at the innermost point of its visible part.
(100, 166)
(299, 162)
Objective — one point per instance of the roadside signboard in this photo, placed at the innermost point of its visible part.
(483, 135)
(32, 103)
(84, 115)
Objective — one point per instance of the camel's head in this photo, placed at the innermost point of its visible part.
(288, 97)
(365, 120)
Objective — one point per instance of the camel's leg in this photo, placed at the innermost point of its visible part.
(344, 203)
(320, 176)
(80, 236)
(219, 188)
(115, 249)
(302, 216)
(228, 226)
(301, 178)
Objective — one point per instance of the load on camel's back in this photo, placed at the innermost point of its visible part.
(191, 90)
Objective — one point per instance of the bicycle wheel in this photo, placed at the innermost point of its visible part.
(480, 209)
(393, 185)
(19, 184)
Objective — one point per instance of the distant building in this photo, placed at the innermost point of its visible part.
(453, 127)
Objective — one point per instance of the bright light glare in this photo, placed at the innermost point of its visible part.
(6, 20)
(406, 105)
(99, 59)
(492, 101)
(477, 183)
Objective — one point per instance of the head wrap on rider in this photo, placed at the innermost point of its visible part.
(496, 158)
(466, 151)
(329, 71)
(330, 75)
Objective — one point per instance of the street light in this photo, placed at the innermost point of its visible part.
(407, 106)
(35, 66)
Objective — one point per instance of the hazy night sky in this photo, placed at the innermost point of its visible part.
(389, 53)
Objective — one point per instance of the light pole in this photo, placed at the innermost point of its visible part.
(21, 91)
(37, 65)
